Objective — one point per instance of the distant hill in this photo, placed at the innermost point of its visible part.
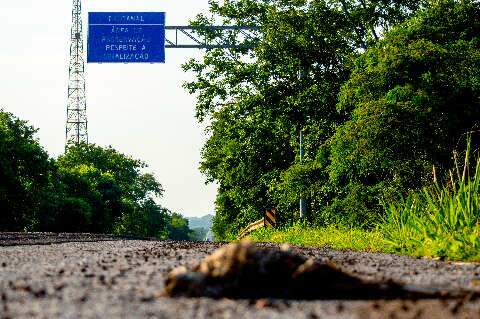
(200, 222)
(201, 227)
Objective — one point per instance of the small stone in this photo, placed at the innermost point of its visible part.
(263, 303)
(40, 293)
(340, 307)
(147, 298)
(60, 286)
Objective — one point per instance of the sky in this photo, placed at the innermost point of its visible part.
(139, 109)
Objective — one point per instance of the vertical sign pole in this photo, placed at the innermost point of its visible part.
(303, 203)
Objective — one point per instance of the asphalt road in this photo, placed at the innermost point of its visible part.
(86, 276)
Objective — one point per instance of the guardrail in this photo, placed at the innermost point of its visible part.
(268, 220)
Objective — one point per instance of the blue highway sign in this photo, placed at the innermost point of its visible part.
(126, 37)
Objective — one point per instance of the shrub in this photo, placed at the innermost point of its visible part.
(440, 220)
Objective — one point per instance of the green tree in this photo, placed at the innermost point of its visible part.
(148, 220)
(118, 195)
(24, 174)
(178, 228)
(125, 170)
(256, 104)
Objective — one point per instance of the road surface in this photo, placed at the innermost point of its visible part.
(86, 276)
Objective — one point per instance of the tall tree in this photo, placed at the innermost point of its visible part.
(113, 186)
(258, 100)
(24, 174)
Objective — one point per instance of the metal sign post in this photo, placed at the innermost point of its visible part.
(303, 202)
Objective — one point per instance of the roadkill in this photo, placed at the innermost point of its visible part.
(244, 270)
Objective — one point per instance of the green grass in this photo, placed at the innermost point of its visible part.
(442, 220)
(457, 246)
(332, 237)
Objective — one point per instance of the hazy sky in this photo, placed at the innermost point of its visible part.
(141, 110)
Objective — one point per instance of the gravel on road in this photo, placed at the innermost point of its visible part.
(84, 276)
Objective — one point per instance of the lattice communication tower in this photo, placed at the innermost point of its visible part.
(77, 124)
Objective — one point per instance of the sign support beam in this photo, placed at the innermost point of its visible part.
(226, 37)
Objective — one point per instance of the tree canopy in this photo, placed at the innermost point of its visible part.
(24, 173)
(343, 72)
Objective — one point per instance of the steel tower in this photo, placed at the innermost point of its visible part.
(76, 128)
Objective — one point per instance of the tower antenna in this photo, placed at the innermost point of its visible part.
(77, 124)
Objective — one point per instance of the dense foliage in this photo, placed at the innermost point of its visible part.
(24, 174)
(383, 90)
(440, 220)
(112, 185)
(87, 189)
(409, 101)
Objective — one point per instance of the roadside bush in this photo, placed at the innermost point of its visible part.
(442, 219)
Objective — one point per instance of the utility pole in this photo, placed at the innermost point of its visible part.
(76, 131)
(303, 202)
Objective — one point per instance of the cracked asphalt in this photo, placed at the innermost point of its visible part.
(91, 276)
